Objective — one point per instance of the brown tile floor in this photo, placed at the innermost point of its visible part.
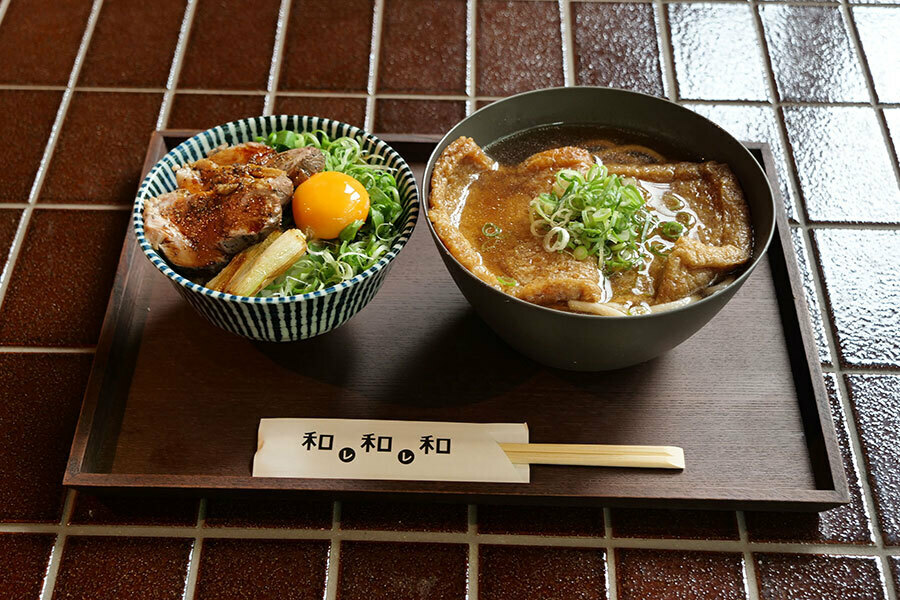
(113, 568)
(814, 80)
(282, 569)
(392, 570)
(796, 576)
(662, 574)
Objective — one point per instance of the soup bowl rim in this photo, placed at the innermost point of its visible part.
(691, 306)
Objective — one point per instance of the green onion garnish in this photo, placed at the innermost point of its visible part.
(596, 214)
(491, 230)
(672, 229)
(362, 243)
(508, 282)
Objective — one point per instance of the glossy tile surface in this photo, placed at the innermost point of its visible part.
(684, 524)
(545, 520)
(268, 509)
(119, 568)
(315, 29)
(754, 123)
(41, 399)
(23, 564)
(26, 116)
(666, 574)
(826, 139)
(423, 34)
(39, 40)
(347, 110)
(877, 28)
(277, 569)
(417, 116)
(246, 29)
(812, 56)
(807, 576)
(404, 516)
(535, 573)
(608, 54)
(118, 509)
(861, 299)
(847, 524)
(716, 52)
(78, 251)
(874, 400)
(133, 43)
(392, 570)
(519, 47)
(202, 111)
(114, 126)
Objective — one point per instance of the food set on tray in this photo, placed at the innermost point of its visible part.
(591, 229)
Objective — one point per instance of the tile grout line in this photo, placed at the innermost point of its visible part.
(664, 37)
(277, 56)
(472, 561)
(184, 34)
(471, 48)
(374, 51)
(682, 544)
(751, 585)
(568, 44)
(856, 41)
(612, 584)
(193, 569)
(332, 569)
(24, 220)
(46, 350)
(4, 5)
(427, 96)
(58, 545)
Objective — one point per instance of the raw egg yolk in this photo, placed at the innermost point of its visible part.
(327, 202)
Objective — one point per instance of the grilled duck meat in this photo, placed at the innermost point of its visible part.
(216, 212)
(242, 154)
(298, 163)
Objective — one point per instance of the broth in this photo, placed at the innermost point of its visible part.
(688, 230)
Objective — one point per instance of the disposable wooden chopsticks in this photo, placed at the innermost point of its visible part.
(596, 455)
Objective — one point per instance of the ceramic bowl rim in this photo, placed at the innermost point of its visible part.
(235, 127)
(734, 285)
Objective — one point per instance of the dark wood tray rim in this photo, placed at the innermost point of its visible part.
(805, 364)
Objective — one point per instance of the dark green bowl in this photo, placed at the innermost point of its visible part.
(587, 342)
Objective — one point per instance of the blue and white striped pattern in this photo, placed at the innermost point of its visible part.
(294, 317)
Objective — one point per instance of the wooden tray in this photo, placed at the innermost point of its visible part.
(173, 403)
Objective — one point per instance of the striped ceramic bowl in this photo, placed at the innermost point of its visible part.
(277, 319)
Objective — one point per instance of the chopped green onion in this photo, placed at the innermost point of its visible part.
(362, 243)
(672, 229)
(593, 214)
(349, 232)
(673, 201)
(508, 282)
(491, 230)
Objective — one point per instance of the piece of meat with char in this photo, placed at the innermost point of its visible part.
(216, 212)
(298, 163)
